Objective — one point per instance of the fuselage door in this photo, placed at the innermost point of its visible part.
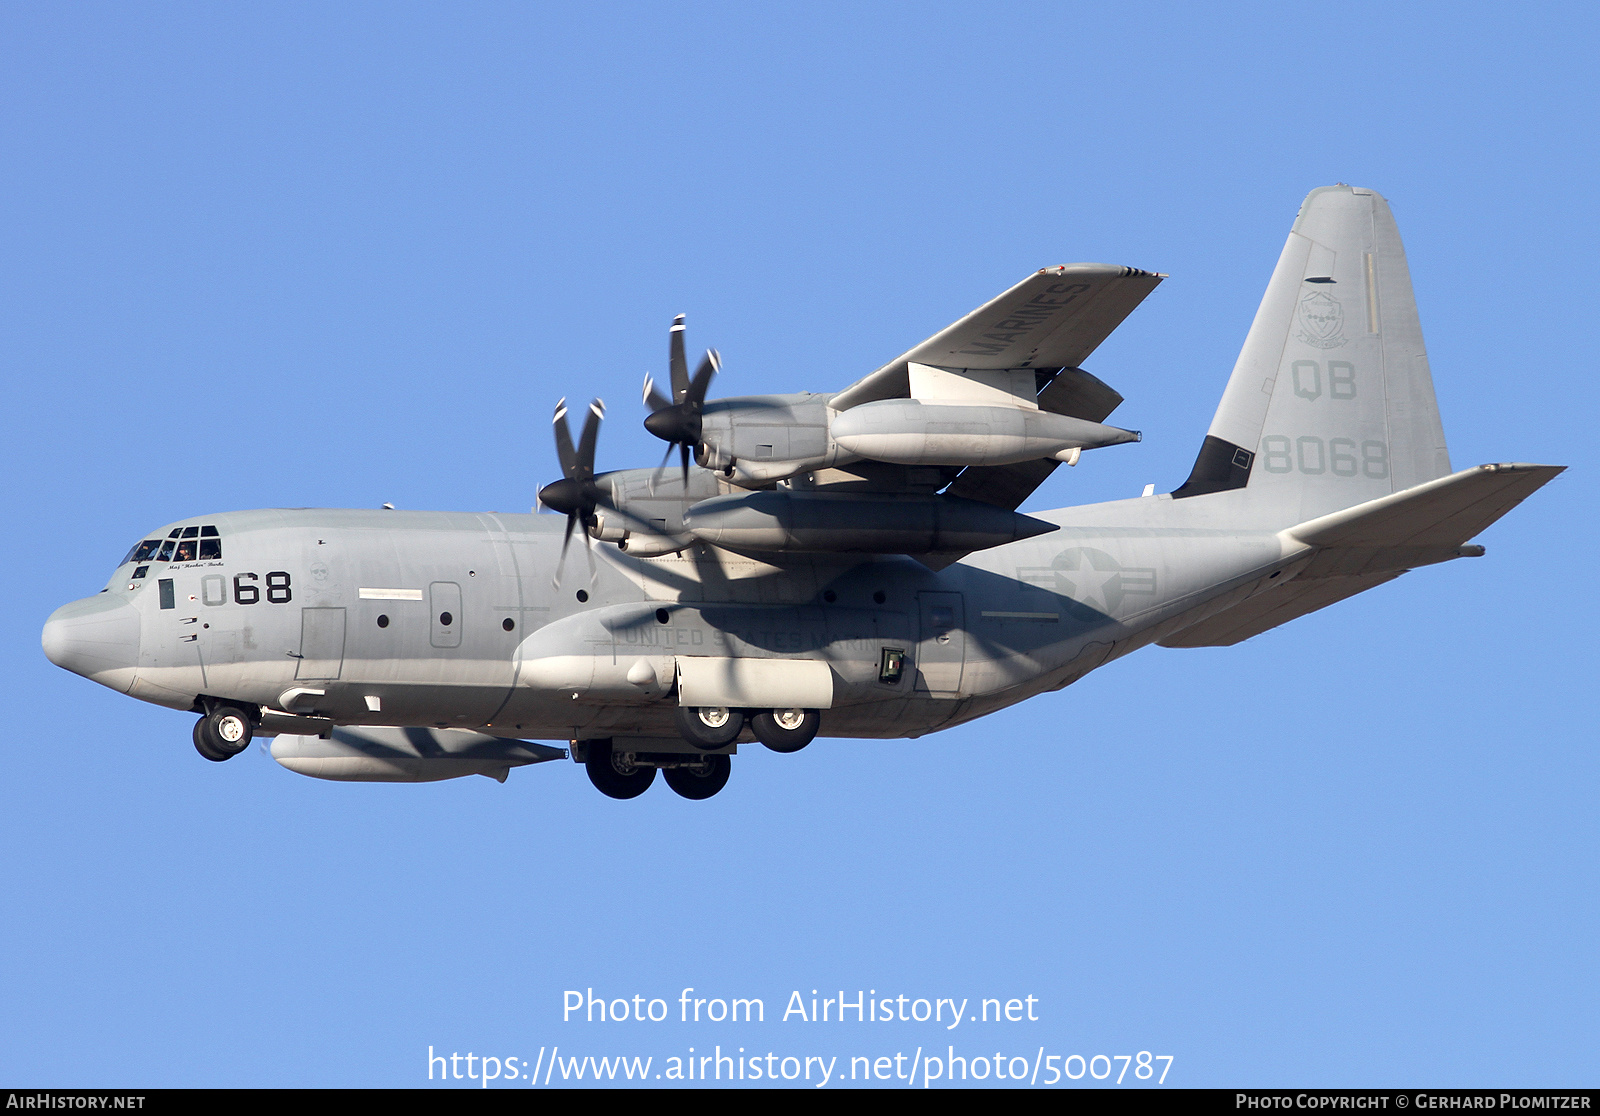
(321, 643)
(444, 606)
(943, 646)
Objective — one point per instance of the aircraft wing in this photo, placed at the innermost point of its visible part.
(1362, 547)
(1054, 318)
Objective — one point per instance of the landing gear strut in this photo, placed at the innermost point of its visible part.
(223, 732)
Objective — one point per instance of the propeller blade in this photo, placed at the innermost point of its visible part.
(653, 398)
(566, 538)
(588, 553)
(677, 362)
(683, 455)
(564, 451)
(702, 379)
(655, 478)
(587, 440)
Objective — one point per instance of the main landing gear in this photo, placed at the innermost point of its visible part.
(782, 730)
(223, 732)
(619, 774)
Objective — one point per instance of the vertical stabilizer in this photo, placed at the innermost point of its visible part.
(1331, 402)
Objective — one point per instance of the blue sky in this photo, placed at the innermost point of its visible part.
(337, 255)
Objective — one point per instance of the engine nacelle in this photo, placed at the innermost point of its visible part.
(365, 754)
(909, 432)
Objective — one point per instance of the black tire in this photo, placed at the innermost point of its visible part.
(228, 730)
(780, 730)
(700, 781)
(613, 776)
(203, 744)
(708, 728)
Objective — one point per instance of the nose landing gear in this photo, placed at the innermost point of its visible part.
(223, 732)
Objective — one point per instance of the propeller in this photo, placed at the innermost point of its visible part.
(575, 494)
(676, 421)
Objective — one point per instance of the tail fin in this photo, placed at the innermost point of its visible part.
(1331, 403)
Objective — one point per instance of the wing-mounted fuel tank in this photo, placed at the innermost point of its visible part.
(364, 754)
(791, 520)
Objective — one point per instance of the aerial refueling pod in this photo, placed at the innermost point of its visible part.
(864, 523)
(406, 755)
(910, 432)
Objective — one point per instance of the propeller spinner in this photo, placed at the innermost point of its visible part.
(676, 421)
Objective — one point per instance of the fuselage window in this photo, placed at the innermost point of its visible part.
(168, 598)
(143, 551)
(210, 549)
(185, 551)
(166, 551)
(190, 532)
(140, 571)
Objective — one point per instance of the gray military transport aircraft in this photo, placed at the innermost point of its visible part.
(848, 563)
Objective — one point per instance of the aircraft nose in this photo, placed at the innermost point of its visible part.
(97, 637)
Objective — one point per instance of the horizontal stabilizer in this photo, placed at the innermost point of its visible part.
(1279, 605)
(1364, 546)
(1443, 512)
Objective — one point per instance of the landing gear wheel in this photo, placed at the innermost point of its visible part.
(614, 774)
(223, 733)
(203, 745)
(786, 730)
(700, 780)
(708, 727)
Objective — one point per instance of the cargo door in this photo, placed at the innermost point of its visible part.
(942, 649)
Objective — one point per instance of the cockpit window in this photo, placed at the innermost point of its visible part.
(182, 544)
